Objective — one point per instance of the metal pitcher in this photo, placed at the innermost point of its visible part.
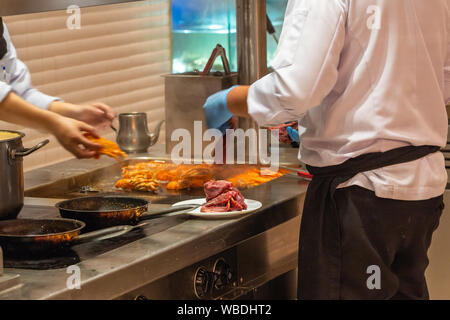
(133, 135)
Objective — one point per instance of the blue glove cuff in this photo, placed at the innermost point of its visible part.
(216, 109)
(293, 134)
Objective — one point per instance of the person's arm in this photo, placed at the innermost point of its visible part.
(96, 114)
(19, 79)
(237, 101)
(306, 64)
(69, 132)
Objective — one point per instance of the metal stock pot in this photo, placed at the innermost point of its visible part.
(11, 173)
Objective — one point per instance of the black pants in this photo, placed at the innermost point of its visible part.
(386, 238)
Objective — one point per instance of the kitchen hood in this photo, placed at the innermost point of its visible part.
(13, 7)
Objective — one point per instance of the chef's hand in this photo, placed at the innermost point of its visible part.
(70, 134)
(95, 114)
(216, 111)
(293, 134)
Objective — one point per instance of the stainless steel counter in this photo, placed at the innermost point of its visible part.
(109, 269)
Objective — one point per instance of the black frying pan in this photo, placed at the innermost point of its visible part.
(49, 237)
(105, 211)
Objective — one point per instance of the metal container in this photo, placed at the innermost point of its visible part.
(133, 136)
(11, 174)
(185, 95)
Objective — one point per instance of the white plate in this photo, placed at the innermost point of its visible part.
(252, 205)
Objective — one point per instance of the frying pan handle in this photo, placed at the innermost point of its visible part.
(175, 209)
(103, 234)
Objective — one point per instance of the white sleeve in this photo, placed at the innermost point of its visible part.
(447, 85)
(5, 89)
(20, 79)
(306, 62)
(447, 73)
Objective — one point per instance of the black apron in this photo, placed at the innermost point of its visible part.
(3, 44)
(320, 237)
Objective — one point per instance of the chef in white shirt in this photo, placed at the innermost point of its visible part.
(22, 104)
(368, 81)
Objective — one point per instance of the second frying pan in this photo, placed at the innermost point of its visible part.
(106, 211)
(49, 237)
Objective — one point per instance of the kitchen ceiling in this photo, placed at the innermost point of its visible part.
(14, 7)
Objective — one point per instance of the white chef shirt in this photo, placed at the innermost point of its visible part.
(364, 76)
(14, 76)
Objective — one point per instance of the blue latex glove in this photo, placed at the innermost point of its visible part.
(293, 134)
(216, 110)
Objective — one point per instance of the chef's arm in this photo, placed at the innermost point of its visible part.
(237, 101)
(69, 132)
(16, 74)
(96, 114)
(306, 65)
(19, 79)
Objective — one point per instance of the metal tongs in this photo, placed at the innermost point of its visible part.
(218, 51)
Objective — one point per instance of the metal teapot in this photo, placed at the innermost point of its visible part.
(133, 135)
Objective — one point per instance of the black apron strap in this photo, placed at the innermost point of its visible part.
(372, 161)
(320, 247)
(3, 44)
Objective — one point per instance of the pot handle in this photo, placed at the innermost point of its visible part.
(26, 151)
(104, 234)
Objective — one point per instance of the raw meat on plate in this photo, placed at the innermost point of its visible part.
(221, 196)
(213, 188)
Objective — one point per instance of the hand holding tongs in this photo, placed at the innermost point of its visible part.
(218, 51)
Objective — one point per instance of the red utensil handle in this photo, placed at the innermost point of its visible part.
(218, 51)
(304, 175)
(210, 62)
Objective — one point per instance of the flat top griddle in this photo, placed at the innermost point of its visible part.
(101, 182)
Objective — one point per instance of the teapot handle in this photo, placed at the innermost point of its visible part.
(113, 127)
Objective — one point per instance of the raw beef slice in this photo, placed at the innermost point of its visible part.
(213, 188)
(221, 196)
